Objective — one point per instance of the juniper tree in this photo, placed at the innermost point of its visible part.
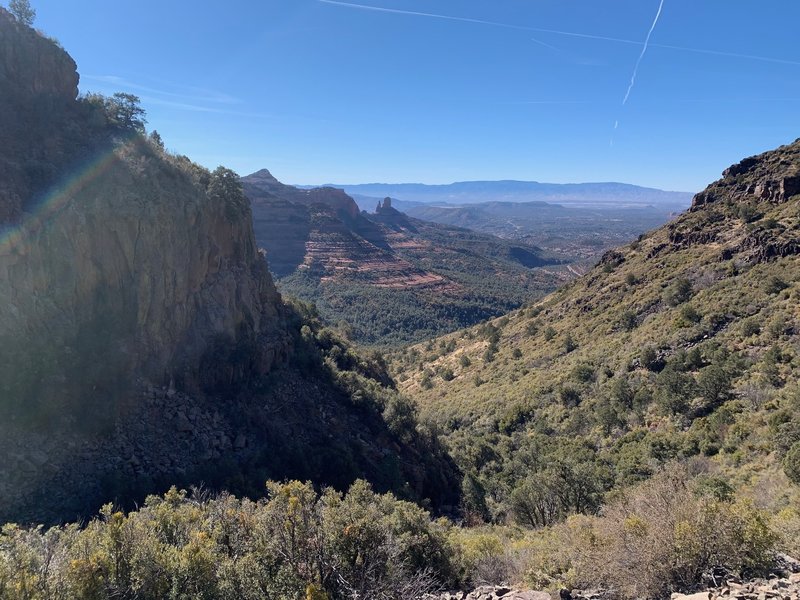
(22, 11)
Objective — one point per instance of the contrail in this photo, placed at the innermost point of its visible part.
(781, 61)
(437, 16)
(587, 36)
(642, 53)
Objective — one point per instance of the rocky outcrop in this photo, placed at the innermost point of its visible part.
(123, 257)
(289, 222)
(36, 77)
(773, 177)
(321, 229)
(147, 280)
(385, 208)
(785, 585)
(32, 67)
(262, 186)
(747, 214)
(68, 475)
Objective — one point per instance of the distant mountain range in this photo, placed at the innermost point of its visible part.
(472, 192)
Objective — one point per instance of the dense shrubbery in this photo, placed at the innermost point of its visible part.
(563, 446)
(296, 543)
(424, 471)
(299, 543)
(667, 533)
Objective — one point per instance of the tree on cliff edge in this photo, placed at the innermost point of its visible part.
(125, 110)
(22, 10)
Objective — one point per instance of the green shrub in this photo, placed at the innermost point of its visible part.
(570, 397)
(678, 292)
(648, 357)
(583, 373)
(791, 463)
(535, 501)
(748, 213)
(295, 544)
(751, 327)
(775, 284)
(688, 315)
(627, 320)
(426, 380)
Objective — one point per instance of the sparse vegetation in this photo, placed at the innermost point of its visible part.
(687, 364)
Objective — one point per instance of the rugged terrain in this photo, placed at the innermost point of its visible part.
(392, 278)
(579, 221)
(682, 344)
(636, 431)
(142, 340)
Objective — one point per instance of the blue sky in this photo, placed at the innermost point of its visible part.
(320, 91)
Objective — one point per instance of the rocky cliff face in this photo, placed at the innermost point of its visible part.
(287, 218)
(32, 66)
(117, 265)
(35, 75)
(161, 270)
(110, 247)
(749, 212)
(262, 186)
(772, 177)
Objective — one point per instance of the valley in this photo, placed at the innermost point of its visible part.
(224, 387)
(387, 277)
(391, 278)
(579, 220)
(581, 232)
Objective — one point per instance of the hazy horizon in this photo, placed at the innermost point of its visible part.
(656, 93)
